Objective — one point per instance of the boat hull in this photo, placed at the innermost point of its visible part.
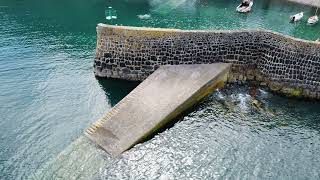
(313, 20)
(296, 17)
(245, 9)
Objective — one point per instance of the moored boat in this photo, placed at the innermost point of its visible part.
(245, 6)
(313, 20)
(144, 16)
(110, 13)
(296, 17)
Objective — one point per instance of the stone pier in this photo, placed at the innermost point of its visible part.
(285, 64)
(315, 3)
(165, 94)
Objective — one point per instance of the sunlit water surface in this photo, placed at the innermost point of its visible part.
(49, 95)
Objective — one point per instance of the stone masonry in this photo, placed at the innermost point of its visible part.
(283, 63)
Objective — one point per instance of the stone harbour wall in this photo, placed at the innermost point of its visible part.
(283, 63)
(315, 3)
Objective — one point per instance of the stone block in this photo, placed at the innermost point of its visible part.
(264, 55)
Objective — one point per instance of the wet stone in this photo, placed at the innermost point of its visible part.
(279, 58)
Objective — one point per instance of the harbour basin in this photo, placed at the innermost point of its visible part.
(49, 95)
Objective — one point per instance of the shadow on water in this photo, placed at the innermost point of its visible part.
(116, 89)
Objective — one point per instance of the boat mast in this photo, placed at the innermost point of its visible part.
(317, 7)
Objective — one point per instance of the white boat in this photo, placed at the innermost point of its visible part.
(244, 9)
(313, 20)
(144, 16)
(111, 17)
(296, 17)
(110, 13)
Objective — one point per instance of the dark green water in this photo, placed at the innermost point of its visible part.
(49, 95)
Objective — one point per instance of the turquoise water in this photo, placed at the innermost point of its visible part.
(216, 14)
(49, 95)
(225, 137)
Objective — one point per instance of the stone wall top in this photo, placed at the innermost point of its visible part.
(133, 53)
(104, 27)
(315, 3)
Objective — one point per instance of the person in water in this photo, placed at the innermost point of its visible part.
(245, 3)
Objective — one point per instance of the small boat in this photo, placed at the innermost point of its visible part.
(110, 13)
(144, 16)
(296, 17)
(242, 8)
(313, 20)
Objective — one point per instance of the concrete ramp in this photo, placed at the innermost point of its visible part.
(164, 95)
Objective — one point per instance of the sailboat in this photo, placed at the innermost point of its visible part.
(313, 19)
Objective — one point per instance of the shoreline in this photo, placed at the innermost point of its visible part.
(313, 3)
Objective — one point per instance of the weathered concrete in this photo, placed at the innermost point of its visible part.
(161, 97)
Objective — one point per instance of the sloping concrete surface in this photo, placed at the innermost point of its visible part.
(164, 95)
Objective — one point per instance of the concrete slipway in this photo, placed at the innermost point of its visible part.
(164, 95)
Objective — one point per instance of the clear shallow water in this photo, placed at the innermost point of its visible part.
(48, 96)
(225, 137)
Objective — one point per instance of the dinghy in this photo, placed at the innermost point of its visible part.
(244, 8)
(145, 16)
(110, 13)
(313, 20)
(296, 17)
